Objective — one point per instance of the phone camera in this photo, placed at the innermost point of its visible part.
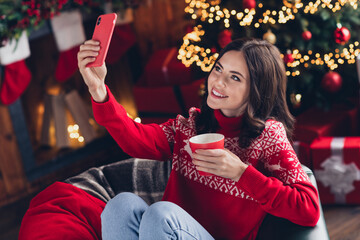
(98, 21)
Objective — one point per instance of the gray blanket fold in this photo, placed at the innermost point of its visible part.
(144, 177)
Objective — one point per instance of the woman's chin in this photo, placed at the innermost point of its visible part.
(211, 105)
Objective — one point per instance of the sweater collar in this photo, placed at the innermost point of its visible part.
(229, 126)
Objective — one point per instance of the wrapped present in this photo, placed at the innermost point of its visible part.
(314, 123)
(302, 151)
(336, 163)
(157, 105)
(164, 69)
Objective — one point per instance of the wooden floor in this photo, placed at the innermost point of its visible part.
(343, 222)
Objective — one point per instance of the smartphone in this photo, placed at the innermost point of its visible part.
(103, 31)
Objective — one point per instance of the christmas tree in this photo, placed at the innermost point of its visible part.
(319, 41)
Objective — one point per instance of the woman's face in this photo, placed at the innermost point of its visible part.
(229, 84)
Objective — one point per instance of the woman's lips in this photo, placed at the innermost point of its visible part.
(217, 94)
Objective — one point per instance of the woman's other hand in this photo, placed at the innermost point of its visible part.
(94, 77)
(220, 162)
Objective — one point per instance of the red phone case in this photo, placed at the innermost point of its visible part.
(103, 32)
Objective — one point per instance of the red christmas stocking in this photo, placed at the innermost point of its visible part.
(16, 79)
(16, 74)
(123, 37)
(67, 64)
(69, 35)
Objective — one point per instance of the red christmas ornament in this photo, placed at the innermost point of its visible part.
(213, 50)
(342, 35)
(331, 82)
(188, 28)
(249, 4)
(306, 35)
(224, 38)
(288, 57)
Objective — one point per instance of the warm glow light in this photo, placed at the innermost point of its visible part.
(70, 128)
(201, 9)
(190, 53)
(73, 131)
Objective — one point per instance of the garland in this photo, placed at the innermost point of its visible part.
(19, 15)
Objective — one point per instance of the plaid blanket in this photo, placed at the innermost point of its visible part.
(144, 177)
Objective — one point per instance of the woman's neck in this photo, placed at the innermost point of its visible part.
(229, 126)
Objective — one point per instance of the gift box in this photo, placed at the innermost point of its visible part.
(157, 105)
(302, 151)
(164, 69)
(336, 163)
(314, 123)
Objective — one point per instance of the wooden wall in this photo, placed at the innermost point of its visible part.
(12, 177)
(160, 24)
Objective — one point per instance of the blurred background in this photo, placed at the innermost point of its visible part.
(160, 53)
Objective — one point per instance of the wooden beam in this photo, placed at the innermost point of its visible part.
(10, 160)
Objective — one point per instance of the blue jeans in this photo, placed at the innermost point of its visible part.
(128, 217)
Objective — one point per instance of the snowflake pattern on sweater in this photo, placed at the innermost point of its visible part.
(271, 149)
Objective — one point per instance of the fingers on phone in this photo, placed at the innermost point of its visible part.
(86, 61)
(84, 58)
(86, 47)
(92, 42)
(88, 52)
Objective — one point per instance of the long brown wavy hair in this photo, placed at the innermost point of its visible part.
(267, 97)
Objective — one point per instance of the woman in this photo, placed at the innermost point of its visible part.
(257, 172)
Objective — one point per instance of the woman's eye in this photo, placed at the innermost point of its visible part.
(235, 78)
(217, 68)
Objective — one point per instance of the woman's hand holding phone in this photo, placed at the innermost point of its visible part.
(92, 54)
(94, 77)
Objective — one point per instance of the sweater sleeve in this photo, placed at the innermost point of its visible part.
(136, 139)
(288, 192)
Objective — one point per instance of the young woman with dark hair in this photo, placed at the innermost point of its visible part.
(267, 87)
(255, 174)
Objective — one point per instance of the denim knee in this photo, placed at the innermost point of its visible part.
(121, 216)
(162, 210)
(159, 221)
(120, 203)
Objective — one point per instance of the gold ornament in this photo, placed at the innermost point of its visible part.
(214, 2)
(201, 90)
(295, 100)
(270, 37)
(291, 3)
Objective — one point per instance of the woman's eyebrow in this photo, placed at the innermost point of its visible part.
(232, 71)
(238, 74)
(220, 65)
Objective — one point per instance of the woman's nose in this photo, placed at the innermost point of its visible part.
(220, 81)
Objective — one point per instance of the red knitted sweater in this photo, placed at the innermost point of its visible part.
(273, 183)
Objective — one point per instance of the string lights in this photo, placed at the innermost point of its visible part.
(73, 131)
(332, 60)
(210, 11)
(190, 53)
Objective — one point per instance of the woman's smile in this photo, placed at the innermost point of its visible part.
(217, 94)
